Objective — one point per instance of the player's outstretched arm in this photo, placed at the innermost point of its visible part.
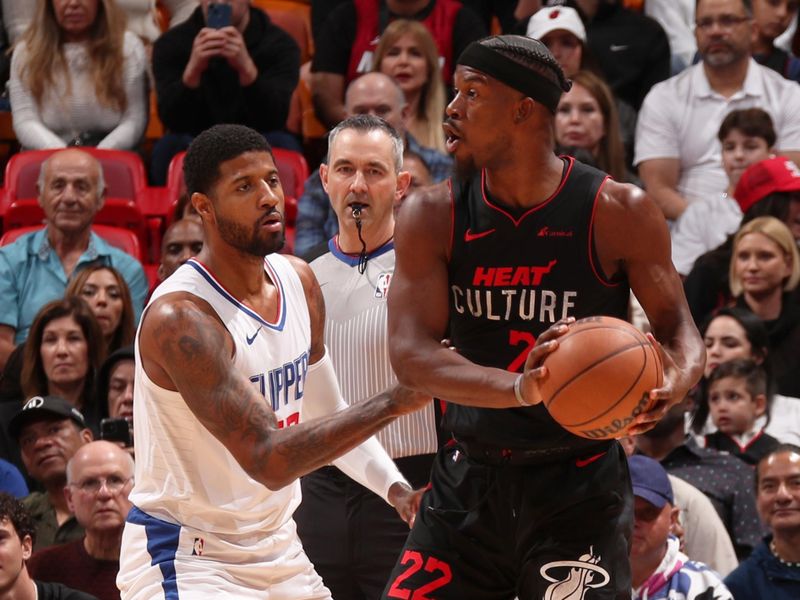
(631, 234)
(419, 308)
(185, 347)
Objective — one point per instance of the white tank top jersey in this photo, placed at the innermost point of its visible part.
(184, 475)
(356, 335)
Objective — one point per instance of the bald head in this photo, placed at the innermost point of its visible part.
(72, 158)
(98, 453)
(379, 95)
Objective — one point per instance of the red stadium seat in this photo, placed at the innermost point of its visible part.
(126, 184)
(118, 237)
(123, 172)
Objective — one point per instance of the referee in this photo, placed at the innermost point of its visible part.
(350, 534)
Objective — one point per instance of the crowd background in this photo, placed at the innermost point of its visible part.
(699, 105)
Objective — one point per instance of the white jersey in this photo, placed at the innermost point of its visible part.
(356, 334)
(184, 475)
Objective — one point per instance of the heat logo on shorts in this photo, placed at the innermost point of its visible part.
(573, 578)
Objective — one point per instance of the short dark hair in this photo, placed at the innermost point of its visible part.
(531, 54)
(753, 122)
(779, 449)
(754, 376)
(13, 510)
(213, 147)
(365, 124)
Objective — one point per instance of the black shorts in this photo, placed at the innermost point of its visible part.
(558, 530)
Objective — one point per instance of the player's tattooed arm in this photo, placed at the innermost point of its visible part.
(188, 349)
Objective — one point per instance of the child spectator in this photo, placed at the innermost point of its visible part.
(737, 397)
(746, 136)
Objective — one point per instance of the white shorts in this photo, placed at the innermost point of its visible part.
(164, 561)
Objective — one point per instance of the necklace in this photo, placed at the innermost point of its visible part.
(783, 562)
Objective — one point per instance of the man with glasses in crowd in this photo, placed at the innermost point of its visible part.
(677, 151)
(99, 479)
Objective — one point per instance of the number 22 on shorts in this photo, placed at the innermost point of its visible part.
(416, 562)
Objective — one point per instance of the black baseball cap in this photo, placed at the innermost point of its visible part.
(44, 406)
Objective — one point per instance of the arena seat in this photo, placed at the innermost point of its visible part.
(295, 19)
(124, 239)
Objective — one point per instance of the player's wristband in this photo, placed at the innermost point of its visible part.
(518, 391)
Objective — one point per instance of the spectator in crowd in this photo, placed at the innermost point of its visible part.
(107, 294)
(770, 187)
(346, 45)
(63, 354)
(631, 49)
(736, 333)
(12, 481)
(659, 570)
(99, 479)
(210, 72)
(36, 268)
(420, 174)
(747, 136)
(375, 94)
(737, 400)
(771, 18)
(408, 54)
(764, 271)
(182, 240)
(560, 29)
(49, 431)
(115, 386)
(773, 570)
(586, 118)
(78, 78)
(17, 535)
(677, 151)
(724, 479)
(364, 167)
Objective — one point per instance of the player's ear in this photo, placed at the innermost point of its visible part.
(202, 204)
(523, 110)
(761, 404)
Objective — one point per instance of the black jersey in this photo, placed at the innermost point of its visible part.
(511, 276)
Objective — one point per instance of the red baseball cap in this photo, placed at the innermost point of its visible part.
(777, 174)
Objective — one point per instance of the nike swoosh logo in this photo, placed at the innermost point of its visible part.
(250, 340)
(580, 463)
(617, 48)
(469, 236)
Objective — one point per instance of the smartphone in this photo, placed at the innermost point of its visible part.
(219, 15)
(116, 429)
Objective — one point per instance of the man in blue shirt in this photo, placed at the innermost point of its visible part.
(37, 267)
(371, 94)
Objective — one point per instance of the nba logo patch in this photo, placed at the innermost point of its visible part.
(197, 547)
(382, 288)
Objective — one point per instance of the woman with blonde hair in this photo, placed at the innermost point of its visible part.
(764, 273)
(587, 118)
(408, 54)
(78, 78)
(107, 294)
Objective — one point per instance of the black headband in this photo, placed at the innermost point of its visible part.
(508, 71)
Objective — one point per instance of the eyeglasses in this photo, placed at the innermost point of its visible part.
(114, 484)
(723, 21)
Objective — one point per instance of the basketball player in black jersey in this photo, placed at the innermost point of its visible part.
(505, 257)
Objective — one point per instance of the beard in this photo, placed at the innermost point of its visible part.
(251, 241)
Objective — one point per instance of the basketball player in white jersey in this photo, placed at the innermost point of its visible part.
(235, 399)
(351, 535)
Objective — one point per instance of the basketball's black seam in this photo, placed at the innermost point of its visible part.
(589, 367)
(621, 398)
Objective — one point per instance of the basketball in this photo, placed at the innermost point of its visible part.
(599, 376)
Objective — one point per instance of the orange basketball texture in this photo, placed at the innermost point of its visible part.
(599, 376)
